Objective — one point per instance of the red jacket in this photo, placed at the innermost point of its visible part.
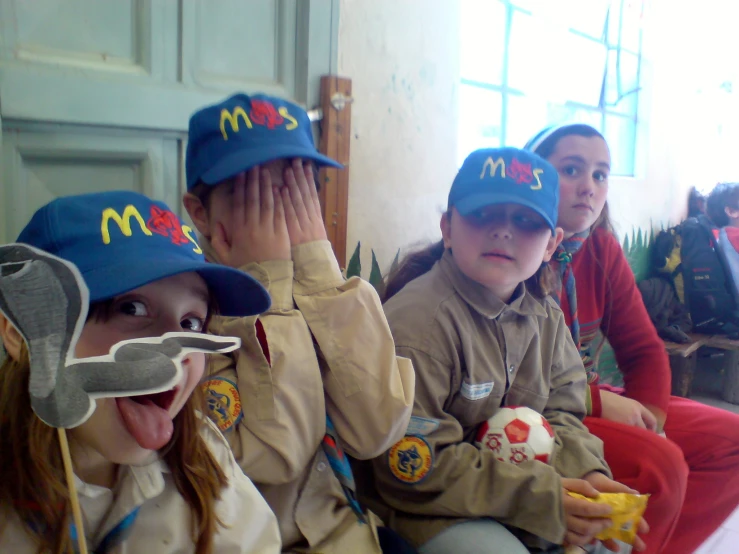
(732, 233)
(607, 298)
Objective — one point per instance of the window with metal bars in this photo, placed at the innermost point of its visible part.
(529, 63)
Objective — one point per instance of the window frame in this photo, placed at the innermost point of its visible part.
(605, 110)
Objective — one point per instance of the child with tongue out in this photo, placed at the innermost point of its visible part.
(153, 474)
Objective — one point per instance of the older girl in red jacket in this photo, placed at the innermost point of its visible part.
(693, 473)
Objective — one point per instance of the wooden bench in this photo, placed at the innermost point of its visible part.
(683, 359)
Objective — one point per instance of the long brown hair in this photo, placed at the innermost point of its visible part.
(32, 482)
(421, 261)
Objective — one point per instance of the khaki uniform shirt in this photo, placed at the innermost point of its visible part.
(327, 349)
(472, 354)
(163, 524)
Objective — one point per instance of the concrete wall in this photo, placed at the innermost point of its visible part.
(403, 58)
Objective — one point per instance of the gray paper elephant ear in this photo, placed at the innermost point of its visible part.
(47, 301)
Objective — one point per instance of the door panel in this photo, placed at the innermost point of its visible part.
(43, 165)
(97, 94)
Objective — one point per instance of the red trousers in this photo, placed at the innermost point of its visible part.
(692, 476)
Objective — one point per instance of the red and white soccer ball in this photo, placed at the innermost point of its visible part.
(517, 434)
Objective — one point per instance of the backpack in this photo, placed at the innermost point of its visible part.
(669, 316)
(730, 259)
(690, 253)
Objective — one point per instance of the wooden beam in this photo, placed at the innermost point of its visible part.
(335, 140)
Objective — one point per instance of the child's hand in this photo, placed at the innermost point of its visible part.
(302, 208)
(627, 411)
(602, 483)
(583, 519)
(257, 230)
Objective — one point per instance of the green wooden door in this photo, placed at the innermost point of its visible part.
(96, 94)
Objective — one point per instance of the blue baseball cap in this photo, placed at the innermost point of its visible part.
(243, 131)
(506, 176)
(122, 240)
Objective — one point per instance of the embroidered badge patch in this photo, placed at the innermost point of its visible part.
(410, 459)
(224, 402)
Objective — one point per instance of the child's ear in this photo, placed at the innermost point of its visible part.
(733, 213)
(446, 228)
(12, 339)
(198, 213)
(554, 241)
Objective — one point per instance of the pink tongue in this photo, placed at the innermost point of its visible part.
(148, 423)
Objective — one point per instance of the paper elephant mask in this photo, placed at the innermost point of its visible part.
(46, 300)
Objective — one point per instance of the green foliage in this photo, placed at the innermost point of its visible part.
(396, 263)
(607, 368)
(354, 269)
(638, 252)
(376, 279)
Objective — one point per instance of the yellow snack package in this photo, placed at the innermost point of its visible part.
(627, 513)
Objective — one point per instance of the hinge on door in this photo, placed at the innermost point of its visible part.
(339, 100)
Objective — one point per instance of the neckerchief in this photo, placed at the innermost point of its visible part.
(341, 468)
(565, 251)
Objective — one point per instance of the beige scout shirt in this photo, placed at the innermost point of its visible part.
(329, 350)
(163, 524)
(472, 354)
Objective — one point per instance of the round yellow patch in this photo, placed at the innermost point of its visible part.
(410, 459)
(224, 402)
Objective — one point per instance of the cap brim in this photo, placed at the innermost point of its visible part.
(236, 293)
(247, 158)
(469, 204)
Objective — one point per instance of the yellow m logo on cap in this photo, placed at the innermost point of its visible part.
(233, 119)
(123, 222)
(493, 165)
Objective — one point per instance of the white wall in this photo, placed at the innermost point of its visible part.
(403, 58)
(688, 50)
(656, 195)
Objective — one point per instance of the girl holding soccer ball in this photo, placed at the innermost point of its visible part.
(472, 312)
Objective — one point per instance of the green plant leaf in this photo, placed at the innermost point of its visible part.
(354, 269)
(607, 367)
(375, 277)
(638, 252)
(396, 263)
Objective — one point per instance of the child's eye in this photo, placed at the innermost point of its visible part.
(569, 171)
(528, 223)
(133, 308)
(600, 176)
(193, 324)
(482, 216)
(477, 215)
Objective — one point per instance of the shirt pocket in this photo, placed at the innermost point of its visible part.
(472, 405)
(534, 397)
